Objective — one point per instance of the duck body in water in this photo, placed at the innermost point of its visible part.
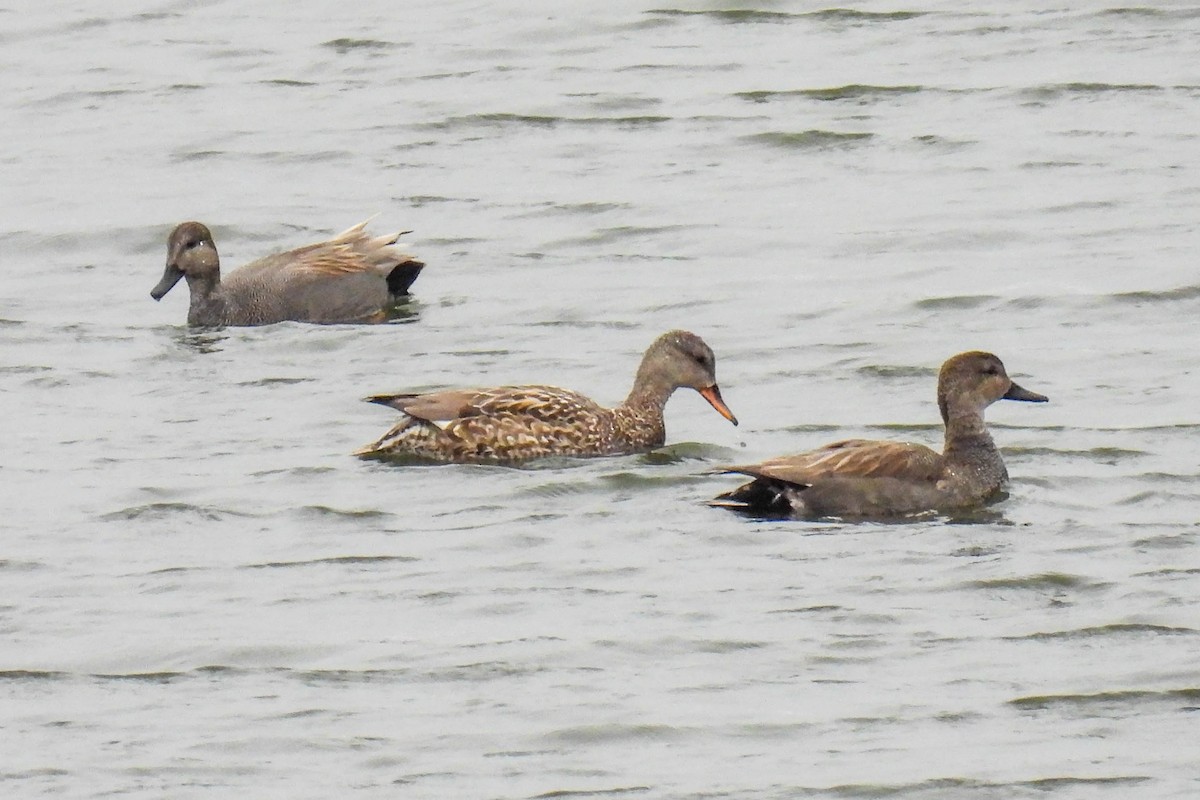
(517, 424)
(868, 478)
(352, 277)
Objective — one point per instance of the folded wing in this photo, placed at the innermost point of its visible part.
(851, 458)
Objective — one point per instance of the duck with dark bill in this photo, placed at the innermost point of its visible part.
(865, 478)
(349, 278)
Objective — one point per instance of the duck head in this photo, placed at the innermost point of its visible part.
(681, 359)
(970, 382)
(191, 254)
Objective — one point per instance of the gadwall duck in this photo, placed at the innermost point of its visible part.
(864, 478)
(349, 278)
(514, 424)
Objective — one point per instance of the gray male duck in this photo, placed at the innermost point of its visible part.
(515, 424)
(877, 479)
(352, 277)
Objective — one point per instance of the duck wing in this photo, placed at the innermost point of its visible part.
(351, 251)
(547, 403)
(351, 277)
(851, 458)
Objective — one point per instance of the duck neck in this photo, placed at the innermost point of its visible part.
(642, 410)
(649, 393)
(969, 446)
(208, 305)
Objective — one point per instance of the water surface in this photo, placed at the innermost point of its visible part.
(205, 594)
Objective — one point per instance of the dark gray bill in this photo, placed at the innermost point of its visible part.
(1017, 393)
(170, 277)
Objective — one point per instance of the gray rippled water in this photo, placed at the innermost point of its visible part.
(204, 594)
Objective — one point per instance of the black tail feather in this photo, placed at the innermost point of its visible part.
(760, 497)
(402, 277)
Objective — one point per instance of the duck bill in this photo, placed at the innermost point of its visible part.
(170, 277)
(713, 395)
(1016, 392)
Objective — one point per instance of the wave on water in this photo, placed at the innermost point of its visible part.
(265, 157)
(748, 15)
(954, 788)
(25, 369)
(586, 324)
(334, 561)
(1144, 11)
(615, 732)
(275, 382)
(347, 45)
(1183, 293)
(1102, 631)
(32, 675)
(508, 120)
(1099, 455)
(1056, 91)
(9, 565)
(893, 371)
(812, 139)
(853, 91)
(1046, 581)
(578, 208)
(328, 512)
(160, 511)
(287, 82)
(1130, 701)
(964, 302)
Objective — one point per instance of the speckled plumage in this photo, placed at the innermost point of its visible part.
(514, 424)
(352, 277)
(866, 478)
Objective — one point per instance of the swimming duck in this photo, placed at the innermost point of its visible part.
(864, 478)
(514, 424)
(349, 278)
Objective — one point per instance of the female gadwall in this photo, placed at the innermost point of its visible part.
(863, 478)
(513, 424)
(350, 278)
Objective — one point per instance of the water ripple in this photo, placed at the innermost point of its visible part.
(853, 91)
(1116, 629)
(1130, 701)
(953, 788)
(161, 511)
(621, 791)
(1047, 581)
(548, 121)
(333, 560)
(345, 45)
(615, 732)
(809, 140)
(738, 16)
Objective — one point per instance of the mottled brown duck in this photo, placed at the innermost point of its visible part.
(865, 478)
(516, 424)
(352, 277)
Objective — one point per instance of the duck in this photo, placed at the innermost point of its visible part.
(512, 425)
(879, 479)
(352, 277)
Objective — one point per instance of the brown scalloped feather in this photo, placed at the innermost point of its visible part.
(514, 424)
